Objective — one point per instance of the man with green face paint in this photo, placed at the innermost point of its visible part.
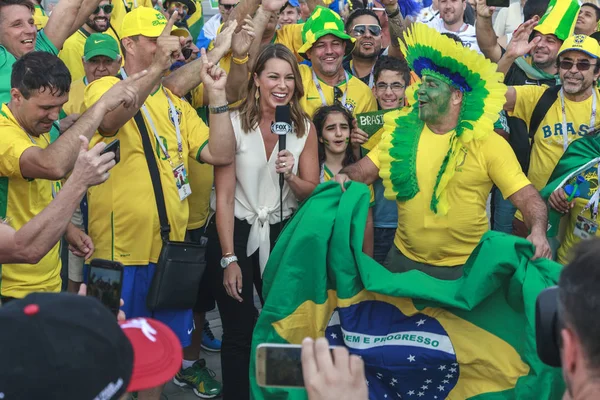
(439, 159)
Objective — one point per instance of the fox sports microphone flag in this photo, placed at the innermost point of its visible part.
(420, 337)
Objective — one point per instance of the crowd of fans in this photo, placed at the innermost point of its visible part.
(77, 78)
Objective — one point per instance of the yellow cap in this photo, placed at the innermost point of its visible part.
(147, 22)
(583, 43)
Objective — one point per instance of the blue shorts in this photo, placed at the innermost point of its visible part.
(136, 283)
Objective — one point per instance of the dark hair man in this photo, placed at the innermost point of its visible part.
(587, 20)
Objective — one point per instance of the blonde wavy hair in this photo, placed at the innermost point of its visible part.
(250, 109)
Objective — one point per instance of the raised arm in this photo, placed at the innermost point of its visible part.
(56, 160)
(239, 70)
(519, 45)
(35, 239)
(535, 215)
(66, 18)
(484, 30)
(397, 24)
(186, 78)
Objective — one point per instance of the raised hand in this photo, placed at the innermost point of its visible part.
(168, 47)
(91, 168)
(520, 44)
(273, 5)
(123, 93)
(223, 40)
(483, 10)
(242, 40)
(213, 77)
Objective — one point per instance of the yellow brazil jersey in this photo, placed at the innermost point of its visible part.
(359, 97)
(291, 37)
(72, 51)
(76, 105)
(122, 7)
(123, 220)
(448, 240)
(21, 199)
(39, 17)
(548, 139)
(327, 175)
(587, 190)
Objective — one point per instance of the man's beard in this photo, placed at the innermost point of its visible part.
(92, 24)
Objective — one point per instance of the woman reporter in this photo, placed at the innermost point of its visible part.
(248, 206)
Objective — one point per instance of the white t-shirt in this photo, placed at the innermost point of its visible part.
(466, 33)
(508, 19)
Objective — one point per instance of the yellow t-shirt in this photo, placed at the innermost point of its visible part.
(291, 37)
(21, 199)
(72, 51)
(448, 240)
(119, 11)
(587, 190)
(359, 98)
(76, 105)
(548, 139)
(40, 18)
(123, 220)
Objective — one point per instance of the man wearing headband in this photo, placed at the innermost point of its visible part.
(440, 158)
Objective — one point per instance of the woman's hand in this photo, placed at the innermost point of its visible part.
(558, 201)
(285, 163)
(232, 280)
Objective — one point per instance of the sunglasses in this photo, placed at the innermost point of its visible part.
(359, 30)
(187, 53)
(178, 5)
(228, 6)
(395, 86)
(337, 95)
(581, 65)
(107, 8)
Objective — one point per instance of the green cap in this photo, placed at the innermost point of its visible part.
(100, 44)
(323, 22)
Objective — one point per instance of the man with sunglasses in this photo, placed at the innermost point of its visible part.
(97, 22)
(184, 8)
(571, 116)
(364, 26)
(211, 27)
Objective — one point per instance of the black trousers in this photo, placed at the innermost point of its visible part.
(238, 319)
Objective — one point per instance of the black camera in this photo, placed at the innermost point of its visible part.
(547, 327)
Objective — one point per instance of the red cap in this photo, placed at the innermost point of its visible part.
(157, 353)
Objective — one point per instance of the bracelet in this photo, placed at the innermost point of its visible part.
(393, 14)
(240, 61)
(219, 109)
(228, 254)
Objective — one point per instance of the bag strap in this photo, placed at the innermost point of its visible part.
(165, 228)
(541, 108)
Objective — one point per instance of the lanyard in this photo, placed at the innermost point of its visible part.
(370, 74)
(155, 132)
(318, 85)
(564, 116)
(594, 200)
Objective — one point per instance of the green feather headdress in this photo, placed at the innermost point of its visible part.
(430, 53)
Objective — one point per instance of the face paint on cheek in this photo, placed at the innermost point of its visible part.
(347, 140)
(326, 142)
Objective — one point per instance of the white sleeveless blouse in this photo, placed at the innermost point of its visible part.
(257, 185)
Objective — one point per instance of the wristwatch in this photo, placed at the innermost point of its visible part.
(228, 259)
(219, 109)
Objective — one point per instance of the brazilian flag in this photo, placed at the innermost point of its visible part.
(420, 337)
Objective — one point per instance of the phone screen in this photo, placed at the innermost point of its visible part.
(105, 284)
(280, 366)
(497, 3)
(113, 147)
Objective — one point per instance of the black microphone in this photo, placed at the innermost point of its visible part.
(282, 126)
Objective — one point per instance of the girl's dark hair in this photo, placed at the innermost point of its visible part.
(319, 120)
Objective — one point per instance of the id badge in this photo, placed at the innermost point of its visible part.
(585, 228)
(182, 182)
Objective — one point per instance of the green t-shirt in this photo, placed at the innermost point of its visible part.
(6, 62)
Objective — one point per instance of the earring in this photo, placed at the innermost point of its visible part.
(257, 94)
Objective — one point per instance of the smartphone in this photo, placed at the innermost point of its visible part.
(113, 147)
(497, 3)
(279, 365)
(105, 281)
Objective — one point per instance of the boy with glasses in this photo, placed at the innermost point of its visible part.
(98, 22)
(571, 116)
(364, 26)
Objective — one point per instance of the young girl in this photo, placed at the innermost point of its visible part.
(333, 125)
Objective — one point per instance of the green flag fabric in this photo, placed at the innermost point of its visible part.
(580, 156)
(420, 337)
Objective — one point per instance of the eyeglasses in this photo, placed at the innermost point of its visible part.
(179, 6)
(583, 65)
(359, 30)
(107, 8)
(228, 6)
(395, 86)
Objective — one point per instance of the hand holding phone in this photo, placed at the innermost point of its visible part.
(105, 282)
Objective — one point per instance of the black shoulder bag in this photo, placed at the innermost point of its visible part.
(539, 112)
(179, 267)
